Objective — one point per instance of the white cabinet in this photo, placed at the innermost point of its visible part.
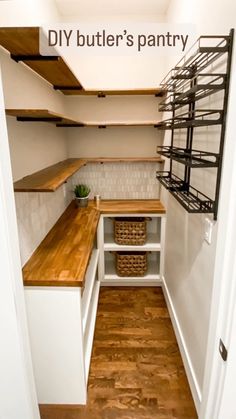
(154, 246)
(61, 326)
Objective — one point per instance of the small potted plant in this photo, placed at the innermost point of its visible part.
(81, 195)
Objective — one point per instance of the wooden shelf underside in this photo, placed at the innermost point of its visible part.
(40, 115)
(158, 92)
(44, 115)
(51, 178)
(23, 45)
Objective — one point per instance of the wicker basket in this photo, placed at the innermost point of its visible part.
(131, 264)
(130, 231)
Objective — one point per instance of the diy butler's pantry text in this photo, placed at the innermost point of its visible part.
(65, 38)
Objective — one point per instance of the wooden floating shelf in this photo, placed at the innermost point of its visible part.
(51, 178)
(123, 160)
(158, 92)
(107, 124)
(40, 115)
(23, 45)
(44, 115)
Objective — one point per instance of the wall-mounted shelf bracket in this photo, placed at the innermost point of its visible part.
(18, 58)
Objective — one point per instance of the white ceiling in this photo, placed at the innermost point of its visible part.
(78, 8)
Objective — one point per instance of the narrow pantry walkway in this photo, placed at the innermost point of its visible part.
(136, 368)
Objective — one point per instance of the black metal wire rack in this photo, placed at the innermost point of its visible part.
(193, 118)
(195, 158)
(204, 85)
(189, 197)
(191, 80)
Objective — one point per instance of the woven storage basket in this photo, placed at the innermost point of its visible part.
(131, 264)
(130, 231)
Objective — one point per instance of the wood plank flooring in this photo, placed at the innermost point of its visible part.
(136, 369)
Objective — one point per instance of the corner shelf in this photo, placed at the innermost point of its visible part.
(23, 45)
(187, 84)
(52, 177)
(44, 115)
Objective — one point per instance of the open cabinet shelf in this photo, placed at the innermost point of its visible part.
(154, 247)
(152, 244)
(196, 77)
(111, 276)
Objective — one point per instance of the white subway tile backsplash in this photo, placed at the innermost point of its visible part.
(36, 214)
(120, 180)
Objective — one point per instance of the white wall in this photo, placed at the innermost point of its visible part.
(33, 146)
(116, 71)
(189, 260)
(119, 180)
(113, 141)
(28, 12)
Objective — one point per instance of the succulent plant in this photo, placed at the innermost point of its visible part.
(81, 191)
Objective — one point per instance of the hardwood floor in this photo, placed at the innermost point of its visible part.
(136, 370)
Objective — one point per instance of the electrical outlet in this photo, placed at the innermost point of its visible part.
(208, 230)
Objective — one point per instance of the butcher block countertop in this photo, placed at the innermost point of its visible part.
(63, 256)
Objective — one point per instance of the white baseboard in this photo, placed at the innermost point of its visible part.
(193, 383)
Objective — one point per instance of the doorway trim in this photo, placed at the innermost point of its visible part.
(223, 305)
(17, 388)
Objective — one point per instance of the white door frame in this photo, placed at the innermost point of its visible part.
(216, 388)
(17, 390)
